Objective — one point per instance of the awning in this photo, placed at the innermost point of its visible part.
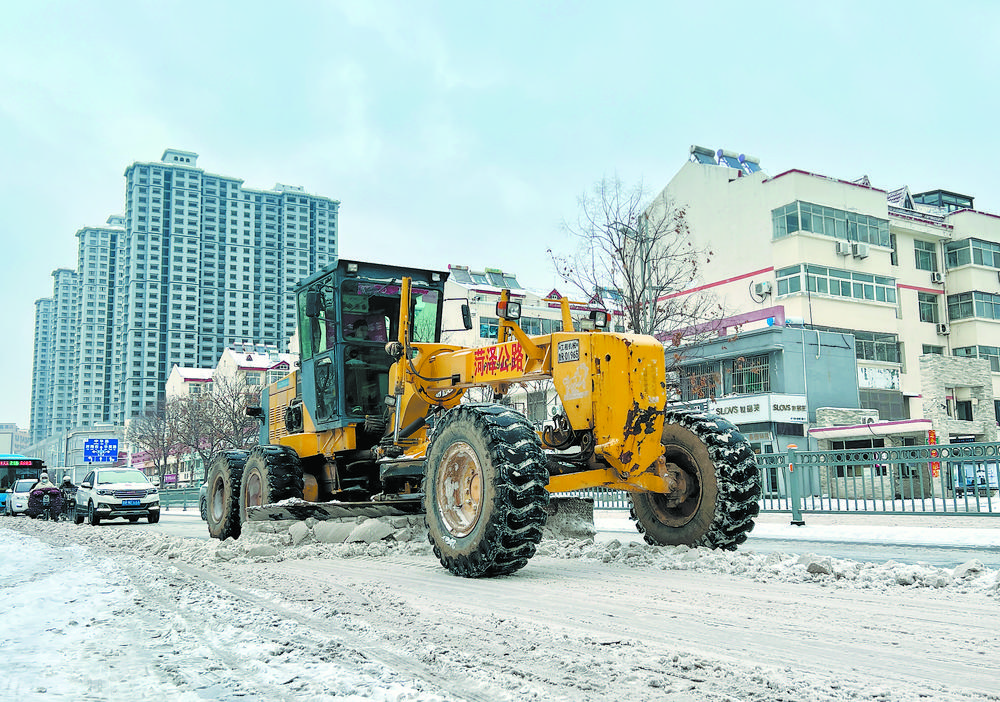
(903, 426)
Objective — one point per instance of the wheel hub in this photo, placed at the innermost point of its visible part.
(459, 489)
(215, 503)
(680, 471)
(254, 496)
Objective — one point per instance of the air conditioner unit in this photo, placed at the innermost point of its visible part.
(762, 288)
(869, 419)
(937, 277)
(943, 329)
(843, 248)
(859, 250)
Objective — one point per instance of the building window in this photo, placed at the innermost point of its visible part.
(967, 251)
(700, 381)
(488, 327)
(750, 375)
(973, 304)
(536, 406)
(822, 280)
(928, 307)
(927, 348)
(989, 353)
(871, 346)
(925, 255)
(838, 224)
(891, 405)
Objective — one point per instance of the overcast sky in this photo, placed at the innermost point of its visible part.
(464, 132)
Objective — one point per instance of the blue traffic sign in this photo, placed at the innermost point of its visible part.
(100, 450)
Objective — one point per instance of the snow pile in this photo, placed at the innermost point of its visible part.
(968, 577)
(276, 542)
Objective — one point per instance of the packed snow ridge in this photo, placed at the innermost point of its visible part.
(378, 538)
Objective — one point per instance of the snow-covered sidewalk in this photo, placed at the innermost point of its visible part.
(853, 527)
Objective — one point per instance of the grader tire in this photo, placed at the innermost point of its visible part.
(223, 494)
(723, 486)
(484, 491)
(272, 474)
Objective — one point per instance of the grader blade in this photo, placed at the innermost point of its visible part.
(296, 509)
(569, 519)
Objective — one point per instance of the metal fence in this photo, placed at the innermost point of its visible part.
(947, 479)
(179, 498)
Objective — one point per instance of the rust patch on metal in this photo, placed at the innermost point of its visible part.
(640, 420)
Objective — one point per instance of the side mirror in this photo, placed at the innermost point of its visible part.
(466, 317)
(313, 304)
(86, 485)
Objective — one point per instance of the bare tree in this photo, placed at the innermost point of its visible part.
(155, 432)
(231, 397)
(637, 255)
(213, 422)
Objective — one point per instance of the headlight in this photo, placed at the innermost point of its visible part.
(152, 491)
(105, 491)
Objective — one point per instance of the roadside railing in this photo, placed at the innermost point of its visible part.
(936, 479)
(179, 498)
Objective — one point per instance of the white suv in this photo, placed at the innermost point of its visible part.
(108, 493)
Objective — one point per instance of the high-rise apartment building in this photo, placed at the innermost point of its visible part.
(64, 333)
(197, 264)
(96, 274)
(42, 370)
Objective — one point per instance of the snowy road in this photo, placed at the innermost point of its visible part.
(147, 616)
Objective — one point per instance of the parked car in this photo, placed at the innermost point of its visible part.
(203, 501)
(108, 493)
(17, 497)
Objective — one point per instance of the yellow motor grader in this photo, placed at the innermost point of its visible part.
(375, 421)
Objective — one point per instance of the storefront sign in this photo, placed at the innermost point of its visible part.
(762, 408)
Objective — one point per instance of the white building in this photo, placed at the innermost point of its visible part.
(913, 277)
(255, 366)
(183, 382)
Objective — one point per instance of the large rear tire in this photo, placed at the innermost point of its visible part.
(272, 474)
(723, 487)
(223, 494)
(484, 491)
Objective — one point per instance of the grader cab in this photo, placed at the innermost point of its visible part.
(376, 421)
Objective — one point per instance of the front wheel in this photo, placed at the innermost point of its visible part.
(153, 517)
(484, 491)
(223, 494)
(92, 515)
(77, 515)
(720, 486)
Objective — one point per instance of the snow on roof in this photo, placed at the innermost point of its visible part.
(900, 197)
(255, 360)
(195, 374)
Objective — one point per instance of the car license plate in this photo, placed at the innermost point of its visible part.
(130, 503)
